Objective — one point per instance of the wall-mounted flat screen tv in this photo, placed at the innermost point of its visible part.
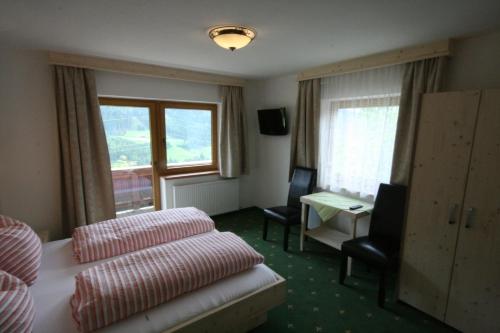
(273, 122)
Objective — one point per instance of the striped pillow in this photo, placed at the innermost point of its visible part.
(16, 305)
(131, 233)
(20, 249)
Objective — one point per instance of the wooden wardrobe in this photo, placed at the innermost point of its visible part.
(450, 265)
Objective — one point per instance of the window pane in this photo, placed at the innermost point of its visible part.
(128, 135)
(356, 149)
(129, 144)
(189, 136)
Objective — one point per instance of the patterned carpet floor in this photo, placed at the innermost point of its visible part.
(315, 300)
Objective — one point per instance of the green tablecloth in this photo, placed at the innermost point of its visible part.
(328, 204)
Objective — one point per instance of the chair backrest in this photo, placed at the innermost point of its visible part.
(388, 215)
(303, 182)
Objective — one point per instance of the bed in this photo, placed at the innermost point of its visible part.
(235, 304)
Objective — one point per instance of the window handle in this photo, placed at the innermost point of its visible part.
(471, 216)
(453, 214)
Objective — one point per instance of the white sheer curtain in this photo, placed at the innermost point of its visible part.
(358, 121)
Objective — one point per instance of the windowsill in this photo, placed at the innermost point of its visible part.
(131, 212)
(191, 174)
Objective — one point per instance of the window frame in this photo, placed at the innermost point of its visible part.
(333, 106)
(153, 130)
(158, 138)
(166, 170)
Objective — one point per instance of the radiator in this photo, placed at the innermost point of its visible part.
(214, 198)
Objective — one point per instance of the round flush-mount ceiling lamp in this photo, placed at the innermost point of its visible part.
(232, 37)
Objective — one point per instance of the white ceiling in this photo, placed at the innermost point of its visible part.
(291, 35)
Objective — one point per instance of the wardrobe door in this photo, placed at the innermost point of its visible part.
(444, 140)
(474, 301)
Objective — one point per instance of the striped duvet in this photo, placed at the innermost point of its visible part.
(127, 234)
(117, 289)
(20, 249)
(16, 305)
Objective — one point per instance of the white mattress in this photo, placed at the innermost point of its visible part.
(56, 284)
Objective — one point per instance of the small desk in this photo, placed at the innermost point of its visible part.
(328, 205)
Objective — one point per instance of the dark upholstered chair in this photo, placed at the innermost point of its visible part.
(380, 248)
(303, 182)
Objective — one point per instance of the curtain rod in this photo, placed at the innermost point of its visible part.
(393, 57)
(136, 68)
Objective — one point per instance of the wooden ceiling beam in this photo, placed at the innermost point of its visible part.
(142, 69)
(394, 57)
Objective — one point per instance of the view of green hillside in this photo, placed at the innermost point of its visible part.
(188, 136)
(129, 140)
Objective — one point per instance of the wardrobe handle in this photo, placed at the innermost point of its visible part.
(453, 214)
(471, 215)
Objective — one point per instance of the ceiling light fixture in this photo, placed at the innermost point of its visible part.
(232, 37)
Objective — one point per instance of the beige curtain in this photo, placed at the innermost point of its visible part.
(305, 129)
(420, 77)
(87, 184)
(232, 147)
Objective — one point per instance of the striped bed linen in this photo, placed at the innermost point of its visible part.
(17, 310)
(20, 249)
(117, 289)
(127, 234)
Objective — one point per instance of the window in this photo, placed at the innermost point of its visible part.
(358, 120)
(127, 124)
(189, 137)
(360, 141)
(148, 139)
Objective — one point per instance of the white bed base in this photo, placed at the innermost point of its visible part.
(239, 315)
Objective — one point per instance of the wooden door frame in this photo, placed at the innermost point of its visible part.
(158, 138)
(153, 130)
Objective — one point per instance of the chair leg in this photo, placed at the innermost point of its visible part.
(264, 231)
(285, 237)
(343, 268)
(381, 289)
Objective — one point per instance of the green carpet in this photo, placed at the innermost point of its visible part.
(315, 300)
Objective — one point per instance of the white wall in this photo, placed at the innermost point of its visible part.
(267, 185)
(475, 65)
(30, 185)
(269, 156)
(30, 181)
(122, 85)
(29, 149)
